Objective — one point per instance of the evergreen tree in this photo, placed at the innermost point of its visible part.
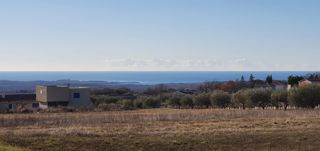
(251, 78)
(242, 79)
(269, 79)
(294, 80)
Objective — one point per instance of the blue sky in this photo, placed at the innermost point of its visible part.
(131, 35)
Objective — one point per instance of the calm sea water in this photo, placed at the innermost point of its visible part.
(145, 77)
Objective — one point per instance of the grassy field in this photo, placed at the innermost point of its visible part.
(163, 129)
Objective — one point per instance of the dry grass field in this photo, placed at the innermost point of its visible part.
(163, 129)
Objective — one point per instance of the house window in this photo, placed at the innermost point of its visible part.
(35, 105)
(76, 95)
(10, 106)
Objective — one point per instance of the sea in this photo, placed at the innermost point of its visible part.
(145, 77)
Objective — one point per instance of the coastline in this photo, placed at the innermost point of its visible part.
(7, 86)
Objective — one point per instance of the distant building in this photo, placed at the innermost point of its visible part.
(278, 85)
(260, 84)
(305, 82)
(18, 102)
(54, 96)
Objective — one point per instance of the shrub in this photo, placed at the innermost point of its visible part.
(174, 100)
(109, 107)
(104, 99)
(220, 99)
(186, 101)
(202, 100)
(147, 102)
(306, 96)
(280, 98)
(127, 104)
(164, 98)
(151, 103)
(138, 103)
(240, 99)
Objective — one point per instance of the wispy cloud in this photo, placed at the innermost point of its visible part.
(233, 64)
(178, 64)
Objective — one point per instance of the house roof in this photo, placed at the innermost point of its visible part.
(62, 86)
(303, 80)
(78, 88)
(314, 80)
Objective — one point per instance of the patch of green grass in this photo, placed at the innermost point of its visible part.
(4, 147)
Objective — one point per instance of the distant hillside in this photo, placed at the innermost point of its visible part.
(29, 86)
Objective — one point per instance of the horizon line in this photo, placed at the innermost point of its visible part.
(159, 71)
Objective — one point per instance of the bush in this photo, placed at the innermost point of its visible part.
(240, 99)
(104, 99)
(164, 98)
(259, 97)
(220, 99)
(147, 102)
(186, 101)
(151, 103)
(127, 104)
(109, 107)
(306, 96)
(174, 100)
(138, 104)
(280, 99)
(112, 91)
(202, 100)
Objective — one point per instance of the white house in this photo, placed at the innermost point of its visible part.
(54, 96)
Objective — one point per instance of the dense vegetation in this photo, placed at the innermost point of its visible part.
(306, 97)
(231, 94)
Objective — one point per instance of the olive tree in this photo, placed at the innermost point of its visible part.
(220, 99)
(127, 104)
(147, 102)
(306, 96)
(201, 100)
(174, 100)
(259, 97)
(240, 98)
(280, 98)
(186, 101)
